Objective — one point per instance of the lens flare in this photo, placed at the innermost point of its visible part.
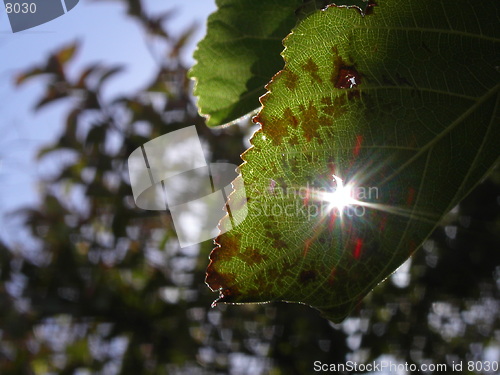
(342, 197)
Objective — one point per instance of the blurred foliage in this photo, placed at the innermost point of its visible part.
(105, 289)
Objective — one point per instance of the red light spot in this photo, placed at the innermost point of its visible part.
(272, 185)
(383, 222)
(307, 244)
(411, 196)
(359, 140)
(331, 278)
(331, 166)
(413, 246)
(306, 198)
(333, 219)
(357, 248)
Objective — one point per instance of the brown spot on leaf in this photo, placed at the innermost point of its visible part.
(273, 127)
(327, 101)
(275, 237)
(221, 281)
(347, 78)
(276, 127)
(290, 78)
(307, 276)
(280, 244)
(337, 62)
(344, 74)
(312, 68)
(293, 141)
(334, 107)
(311, 121)
(252, 256)
(352, 94)
(225, 282)
(288, 115)
(269, 225)
(278, 275)
(229, 243)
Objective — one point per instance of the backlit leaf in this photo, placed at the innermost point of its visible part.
(401, 105)
(240, 52)
(239, 55)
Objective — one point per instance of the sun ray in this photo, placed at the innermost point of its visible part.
(346, 196)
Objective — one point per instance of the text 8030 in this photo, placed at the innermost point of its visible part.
(23, 8)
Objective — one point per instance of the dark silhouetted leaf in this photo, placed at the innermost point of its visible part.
(86, 73)
(21, 78)
(55, 65)
(108, 73)
(53, 93)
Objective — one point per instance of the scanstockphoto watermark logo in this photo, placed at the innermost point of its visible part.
(27, 14)
(310, 202)
(171, 172)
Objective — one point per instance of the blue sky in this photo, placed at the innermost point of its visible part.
(106, 34)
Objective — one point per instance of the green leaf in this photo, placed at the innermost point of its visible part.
(239, 55)
(403, 101)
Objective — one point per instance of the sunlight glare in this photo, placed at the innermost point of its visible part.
(341, 197)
